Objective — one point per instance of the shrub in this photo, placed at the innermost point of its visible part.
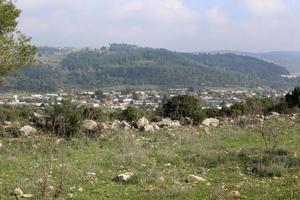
(293, 99)
(183, 106)
(212, 112)
(64, 119)
(96, 114)
(132, 114)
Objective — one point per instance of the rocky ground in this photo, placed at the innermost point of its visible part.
(220, 159)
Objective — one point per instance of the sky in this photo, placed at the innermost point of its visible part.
(180, 25)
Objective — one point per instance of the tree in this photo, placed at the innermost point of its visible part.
(293, 100)
(183, 106)
(15, 49)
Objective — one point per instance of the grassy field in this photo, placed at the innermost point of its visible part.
(85, 168)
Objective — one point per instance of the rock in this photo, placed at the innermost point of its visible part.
(115, 125)
(103, 126)
(90, 125)
(125, 177)
(156, 127)
(1, 145)
(141, 123)
(38, 119)
(60, 141)
(148, 128)
(7, 123)
(167, 122)
(124, 125)
(211, 122)
(194, 179)
(175, 124)
(18, 193)
(274, 114)
(161, 179)
(28, 131)
(236, 194)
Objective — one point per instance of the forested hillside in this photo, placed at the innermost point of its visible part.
(122, 64)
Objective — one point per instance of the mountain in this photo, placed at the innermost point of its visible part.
(122, 64)
(287, 59)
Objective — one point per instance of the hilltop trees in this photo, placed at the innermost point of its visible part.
(15, 49)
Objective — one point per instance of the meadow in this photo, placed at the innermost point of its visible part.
(234, 161)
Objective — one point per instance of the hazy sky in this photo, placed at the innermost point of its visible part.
(183, 25)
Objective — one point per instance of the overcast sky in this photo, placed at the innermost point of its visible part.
(182, 25)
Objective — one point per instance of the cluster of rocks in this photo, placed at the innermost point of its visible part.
(143, 124)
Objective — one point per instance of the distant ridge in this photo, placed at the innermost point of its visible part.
(123, 64)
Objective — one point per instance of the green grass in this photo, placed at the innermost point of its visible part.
(36, 164)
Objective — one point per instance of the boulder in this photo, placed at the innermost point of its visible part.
(125, 177)
(90, 125)
(115, 125)
(18, 193)
(211, 122)
(274, 114)
(28, 131)
(194, 179)
(103, 126)
(125, 125)
(167, 122)
(141, 123)
(38, 119)
(148, 128)
(236, 194)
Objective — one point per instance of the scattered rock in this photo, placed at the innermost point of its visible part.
(274, 114)
(115, 125)
(18, 193)
(148, 128)
(28, 131)
(90, 125)
(141, 123)
(60, 141)
(236, 194)
(38, 119)
(167, 122)
(194, 179)
(1, 145)
(161, 179)
(103, 126)
(125, 177)
(211, 122)
(125, 125)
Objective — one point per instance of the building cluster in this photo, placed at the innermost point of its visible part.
(149, 99)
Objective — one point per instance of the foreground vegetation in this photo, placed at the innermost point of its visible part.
(232, 159)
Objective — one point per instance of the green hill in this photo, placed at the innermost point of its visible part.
(122, 64)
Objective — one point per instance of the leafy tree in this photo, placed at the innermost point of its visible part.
(15, 50)
(293, 100)
(65, 119)
(132, 114)
(183, 106)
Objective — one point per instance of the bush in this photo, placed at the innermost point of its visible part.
(16, 113)
(293, 99)
(96, 114)
(132, 114)
(183, 106)
(212, 112)
(64, 119)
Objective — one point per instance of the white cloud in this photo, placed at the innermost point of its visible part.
(265, 7)
(174, 24)
(217, 16)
